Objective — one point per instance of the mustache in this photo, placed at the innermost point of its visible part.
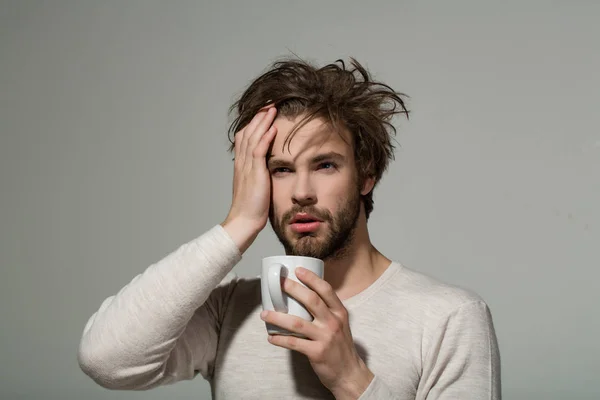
(321, 214)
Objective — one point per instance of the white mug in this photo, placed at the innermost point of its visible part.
(274, 298)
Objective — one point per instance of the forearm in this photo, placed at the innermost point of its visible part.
(137, 329)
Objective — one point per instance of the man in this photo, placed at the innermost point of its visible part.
(310, 145)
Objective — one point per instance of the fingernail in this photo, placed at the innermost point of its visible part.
(264, 314)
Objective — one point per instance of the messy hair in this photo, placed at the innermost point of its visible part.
(345, 98)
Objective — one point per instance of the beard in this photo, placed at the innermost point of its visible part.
(330, 241)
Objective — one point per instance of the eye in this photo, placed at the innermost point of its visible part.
(279, 170)
(327, 165)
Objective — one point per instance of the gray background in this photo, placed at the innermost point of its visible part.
(113, 153)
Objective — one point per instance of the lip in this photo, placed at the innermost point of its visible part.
(304, 216)
(305, 227)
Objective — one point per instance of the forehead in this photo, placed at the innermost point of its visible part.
(312, 138)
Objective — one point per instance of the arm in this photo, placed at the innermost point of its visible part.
(160, 328)
(164, 326)
(463, 361)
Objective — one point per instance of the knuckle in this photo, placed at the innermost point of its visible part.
(344, 314)
(298, 324)
(314, 300)
(256, 153)
(335, 326)
(292, 341)
(326, 287)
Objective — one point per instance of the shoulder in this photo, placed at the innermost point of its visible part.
(431, 297)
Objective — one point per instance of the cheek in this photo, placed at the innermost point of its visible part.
(280, 196)
(334, 194)
(341, 185)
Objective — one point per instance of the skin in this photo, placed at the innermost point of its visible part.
(273, 182)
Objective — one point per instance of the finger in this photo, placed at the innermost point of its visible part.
(268, 106)
(300, 345)
(261, 149)
(256, 119)
(309, 298)
(237, 140)
(247, 132)
(291, 323)
(321, 287)
(262, 128)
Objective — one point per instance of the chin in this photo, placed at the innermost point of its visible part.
(303, 237)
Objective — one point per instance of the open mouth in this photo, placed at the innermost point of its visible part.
(304, 220)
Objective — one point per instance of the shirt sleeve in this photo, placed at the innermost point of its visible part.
(378, 390)
(163, 326)
(463, 361)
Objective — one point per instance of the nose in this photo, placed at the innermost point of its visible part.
(304, 193)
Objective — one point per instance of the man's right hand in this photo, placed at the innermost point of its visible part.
(249, 210)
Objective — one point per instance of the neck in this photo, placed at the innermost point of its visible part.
(359, 266)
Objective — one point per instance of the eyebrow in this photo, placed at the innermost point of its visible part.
(332, 155)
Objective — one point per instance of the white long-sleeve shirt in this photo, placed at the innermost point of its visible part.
(188, 315)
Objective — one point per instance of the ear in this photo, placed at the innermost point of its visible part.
(368, 185)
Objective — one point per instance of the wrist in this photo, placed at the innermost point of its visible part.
(355, 383)
(242, 232)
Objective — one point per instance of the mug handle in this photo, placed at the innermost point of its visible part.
(274, 281)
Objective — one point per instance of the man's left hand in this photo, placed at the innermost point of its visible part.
(329, 345)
